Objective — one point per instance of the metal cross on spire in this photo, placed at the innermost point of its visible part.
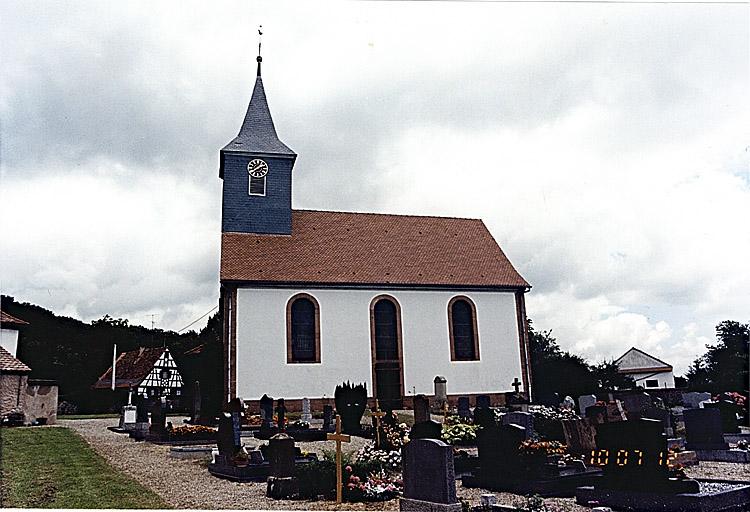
(259, 58)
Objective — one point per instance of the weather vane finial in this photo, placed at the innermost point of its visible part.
(259, 58)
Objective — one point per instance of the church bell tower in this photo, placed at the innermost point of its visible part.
(257, 171)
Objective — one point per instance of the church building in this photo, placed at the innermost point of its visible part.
(314, 298)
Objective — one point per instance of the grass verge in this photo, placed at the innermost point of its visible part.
(55, 468)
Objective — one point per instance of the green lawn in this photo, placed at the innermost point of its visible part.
(55, 468)
(86, 416)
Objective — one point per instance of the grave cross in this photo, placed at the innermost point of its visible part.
(339, 438)
(516, 384)
(376, 415)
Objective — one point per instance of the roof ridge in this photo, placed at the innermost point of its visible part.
(387, 214)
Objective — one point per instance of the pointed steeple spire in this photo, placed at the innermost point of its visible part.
(258, 133)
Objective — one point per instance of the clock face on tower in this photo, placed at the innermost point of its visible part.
(257, 168)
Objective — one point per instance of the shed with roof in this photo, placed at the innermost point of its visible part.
(646, 370)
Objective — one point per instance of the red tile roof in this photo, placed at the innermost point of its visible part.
(8, 363)
(9, 321)
(132, 368)
(371, 249)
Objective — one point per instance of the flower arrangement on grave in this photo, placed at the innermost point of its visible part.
(394, 435)
(535, 453)
(460, 434)
(190, 431)
(253, 420)
(377, 486)
(276, 420)
(379, 460)
(739, 399)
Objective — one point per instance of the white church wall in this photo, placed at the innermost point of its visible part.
(345, 343)
(9, 340)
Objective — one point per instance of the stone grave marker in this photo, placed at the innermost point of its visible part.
(703, 430)
(196, 413)
(483, 414)
(421, 409)
(523, 419)
(426, 430)
(692, 399)
(596, 413)
(235, 408)
(328, 418)
(568, 404)
(636, 404)
(585, 401)
(615, 411)
(281, 483)
(306, 414)
(728, 411)
(441, 390)
(498, 453)
(225, 439)
(429, 479)
(158, 419)
(266, 411)
(464, 412)
(281, 415)
(128, 416)
(483, 401)
(549, 399)
(662, 415)
(580, 436)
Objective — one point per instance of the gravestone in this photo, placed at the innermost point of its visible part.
(568, 404)
(636, 404)
(499, 459)
(158, 419)
(483, 401)
(266, 411)
(693, 399)
(421, 409)
(523, 419)
(597, 414)
(429, 479)
(615, 412)
(306, 415)
(235, 408)
(580, 436)
(281, 483)
(483, 415)
(585, 401)
(426, 430)
(547, 398)
(703, 430)
(196, 418)
(441, 390)
(662, 415)
(633, 455)
(281, 415)
(128, 417)
(328, 418)
(464, 412)
(225, 439)
(728, 411)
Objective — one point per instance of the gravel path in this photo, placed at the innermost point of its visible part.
(187, 484)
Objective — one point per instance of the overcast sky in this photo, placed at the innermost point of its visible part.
(604, 145)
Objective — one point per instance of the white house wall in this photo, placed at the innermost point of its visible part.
(666, 379)
(9, 340)
(345, 343)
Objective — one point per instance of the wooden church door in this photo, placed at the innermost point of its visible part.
(385, 321)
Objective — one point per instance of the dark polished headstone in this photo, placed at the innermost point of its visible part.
(328, 418)
(662, 415)
(428, 472)
(141, 409)
(225, 438)
(483, 401)
(523, 419)
(281, 455)
(266, 411)
(728, 411)
(483, 415)
(580, 436)
(464, 410)
(703, 429)
(426, 430)
(421, 408)
(280, 415)
(196, 412)
(596, 413)
(498, 451)
(158, 419)
(636, 404)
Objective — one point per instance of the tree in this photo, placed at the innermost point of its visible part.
(724, 366)
(555, 371)
(608, 378)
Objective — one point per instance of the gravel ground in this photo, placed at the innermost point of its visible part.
(186, 484)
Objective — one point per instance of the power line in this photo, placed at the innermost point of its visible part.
(202, 316)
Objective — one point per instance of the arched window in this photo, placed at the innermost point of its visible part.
(302, 329)
(462, 325)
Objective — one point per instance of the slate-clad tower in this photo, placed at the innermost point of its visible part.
(257, 171)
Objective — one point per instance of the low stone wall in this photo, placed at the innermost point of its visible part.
(41, 401)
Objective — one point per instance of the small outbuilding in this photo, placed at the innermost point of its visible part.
(646, 370)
